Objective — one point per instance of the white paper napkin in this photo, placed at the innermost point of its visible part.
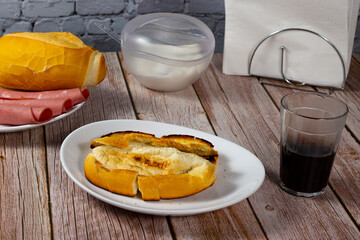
(308, 58)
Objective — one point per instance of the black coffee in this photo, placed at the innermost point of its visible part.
(304, 173)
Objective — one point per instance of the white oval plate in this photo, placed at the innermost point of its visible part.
(238, 174)
(9, 128)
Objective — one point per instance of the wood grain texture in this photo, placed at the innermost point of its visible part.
(356, 56)
(75, 214)
(241, 111)
(39, 201)
(347, 161)
(351, 96)
(184, 108)
(24, 199)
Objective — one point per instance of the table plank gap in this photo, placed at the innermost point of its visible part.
(259, 119)
(356, 57)
(76, 214)
(24, 211)
(352, 133)
(202, 104)
(125, 74)
(48, 184)
(263, 83)
(257, 218)
(172, 230)
(353, 218)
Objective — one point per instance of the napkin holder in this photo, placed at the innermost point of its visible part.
(293, 84)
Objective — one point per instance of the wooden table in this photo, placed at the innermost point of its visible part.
(39, 201)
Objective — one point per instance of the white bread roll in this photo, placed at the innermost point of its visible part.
(160, 168)
(48, 61)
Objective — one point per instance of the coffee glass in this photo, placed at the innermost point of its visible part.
(311, 127)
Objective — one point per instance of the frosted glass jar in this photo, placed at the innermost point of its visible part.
(166, 51)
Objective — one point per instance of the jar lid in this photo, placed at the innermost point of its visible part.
(169, 38)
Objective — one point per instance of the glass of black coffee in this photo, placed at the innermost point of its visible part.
(311, 126)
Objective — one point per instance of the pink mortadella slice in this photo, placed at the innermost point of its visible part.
(57, 106)
(21, 114)
(76, 95)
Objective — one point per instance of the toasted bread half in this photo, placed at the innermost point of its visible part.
(169, 167)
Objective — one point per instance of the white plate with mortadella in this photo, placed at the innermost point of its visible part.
(20, 110)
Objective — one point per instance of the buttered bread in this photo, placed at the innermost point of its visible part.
(160, 168)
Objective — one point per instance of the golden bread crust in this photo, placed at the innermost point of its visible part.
(120, 181)
(184, 143)
(161, 168)
(48, 61)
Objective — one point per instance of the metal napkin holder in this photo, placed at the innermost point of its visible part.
(294, 83)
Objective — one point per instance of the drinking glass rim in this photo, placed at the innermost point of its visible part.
(320, 95)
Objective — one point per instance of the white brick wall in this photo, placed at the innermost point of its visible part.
(78, 16)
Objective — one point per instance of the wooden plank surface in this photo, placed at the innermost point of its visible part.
(39, 201)
(75, 214)
(253, 121)
(24, 200)
(184, 108)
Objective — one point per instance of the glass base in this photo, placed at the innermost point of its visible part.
(301, 194)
